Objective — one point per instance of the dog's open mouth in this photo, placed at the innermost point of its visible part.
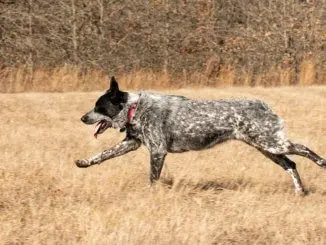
(101, 126)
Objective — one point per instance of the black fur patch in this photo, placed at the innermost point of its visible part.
(111, 103)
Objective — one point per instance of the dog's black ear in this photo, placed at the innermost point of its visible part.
(114, 87)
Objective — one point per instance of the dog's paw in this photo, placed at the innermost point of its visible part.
(322, 163)
(82, 163)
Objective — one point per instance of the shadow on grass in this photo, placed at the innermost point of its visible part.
(210, 185)
(238, 185)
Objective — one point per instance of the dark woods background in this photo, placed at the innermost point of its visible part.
(175, 37)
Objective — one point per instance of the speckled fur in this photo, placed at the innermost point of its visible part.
(180, 124)
(168, 124)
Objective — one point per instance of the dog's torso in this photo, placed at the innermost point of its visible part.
(179, 124)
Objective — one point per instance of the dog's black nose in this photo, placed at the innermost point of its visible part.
(84, 118)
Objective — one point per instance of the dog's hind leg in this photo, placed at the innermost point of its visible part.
(301, 150)
(122, 148)
(278, 144)
(289, 166)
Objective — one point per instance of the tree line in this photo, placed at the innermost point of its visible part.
(172, 36)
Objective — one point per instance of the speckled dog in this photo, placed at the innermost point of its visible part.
(167, 123)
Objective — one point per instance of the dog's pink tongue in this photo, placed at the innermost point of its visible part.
(97, 128)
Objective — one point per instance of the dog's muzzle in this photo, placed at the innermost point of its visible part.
(101, 124)
(91, 117)
(85, 119)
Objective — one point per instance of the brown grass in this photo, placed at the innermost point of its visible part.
(72, 78)
(230, 194)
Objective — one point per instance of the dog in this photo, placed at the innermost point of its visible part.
(169, 124)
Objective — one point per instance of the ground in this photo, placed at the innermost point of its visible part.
(230, 194)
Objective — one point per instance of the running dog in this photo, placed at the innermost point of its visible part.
(168, 124)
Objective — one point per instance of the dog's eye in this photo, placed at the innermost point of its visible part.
(100, 110)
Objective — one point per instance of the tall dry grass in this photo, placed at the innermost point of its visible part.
(71, 78)
(230, 194)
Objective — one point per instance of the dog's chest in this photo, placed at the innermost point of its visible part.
(134, 130)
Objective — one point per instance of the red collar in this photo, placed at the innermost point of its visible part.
(131, 112)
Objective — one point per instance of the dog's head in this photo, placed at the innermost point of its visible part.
(107, 108)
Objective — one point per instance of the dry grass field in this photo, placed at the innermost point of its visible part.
(230, 194)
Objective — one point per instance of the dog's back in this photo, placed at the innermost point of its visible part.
(196, 124)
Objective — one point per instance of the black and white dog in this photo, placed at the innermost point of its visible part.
(168, 123)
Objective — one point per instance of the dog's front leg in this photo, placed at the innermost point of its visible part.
(157, 161)
(120, 149)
